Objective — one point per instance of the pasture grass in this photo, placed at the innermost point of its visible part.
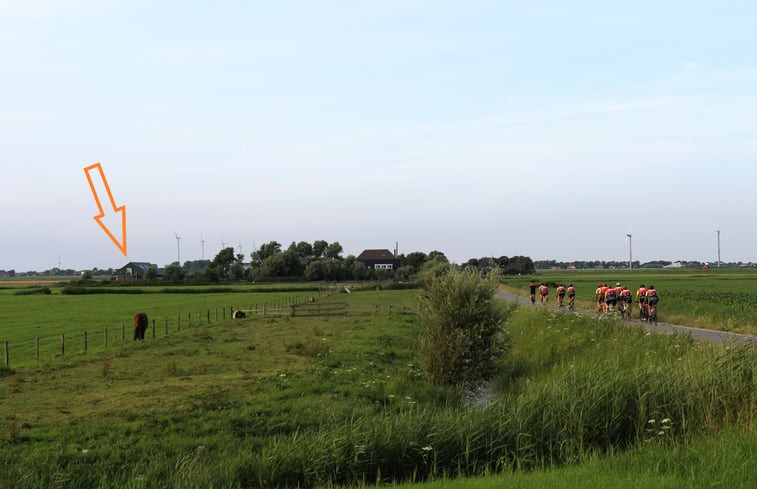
(719, 299)
(50, 316)
(325, 401)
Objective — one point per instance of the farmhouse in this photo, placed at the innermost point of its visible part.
(134, 270)
(379, 260)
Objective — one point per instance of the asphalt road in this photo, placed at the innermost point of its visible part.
(717, 337)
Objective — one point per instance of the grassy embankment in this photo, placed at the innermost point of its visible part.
(274, 402)
(724, 299)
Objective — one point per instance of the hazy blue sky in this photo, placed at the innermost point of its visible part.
(477, 128)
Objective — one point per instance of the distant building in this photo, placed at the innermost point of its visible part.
(134, 270)
(379, 260)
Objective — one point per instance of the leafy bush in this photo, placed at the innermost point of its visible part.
(462, 323)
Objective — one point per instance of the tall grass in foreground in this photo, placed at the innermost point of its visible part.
(725, 460)
(554, 423)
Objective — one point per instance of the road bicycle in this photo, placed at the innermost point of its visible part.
(643, 312)
(652, 314)
(626, 310)
(571, 303)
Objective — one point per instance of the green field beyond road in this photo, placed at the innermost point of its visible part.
(721, 299)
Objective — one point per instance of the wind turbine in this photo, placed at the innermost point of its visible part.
(718, 233)
(630, 252)
(178, 249)
(203, 247)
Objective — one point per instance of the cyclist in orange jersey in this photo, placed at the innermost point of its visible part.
(641, 296)
(611, 298)
(626, 299)
(599, 297)
(532, 286)
(571, 296)
(560, 295)
(544, 293)
(604, 290)
(651, 299)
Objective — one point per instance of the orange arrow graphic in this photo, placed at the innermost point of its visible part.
(121, 244)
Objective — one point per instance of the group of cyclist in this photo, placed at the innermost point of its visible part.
(570, 290)
(618, 298)
(621, 298)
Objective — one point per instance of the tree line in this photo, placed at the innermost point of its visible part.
(316, 261)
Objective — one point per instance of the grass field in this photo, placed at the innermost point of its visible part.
(323, 401)
(48, 316)
(724, 299)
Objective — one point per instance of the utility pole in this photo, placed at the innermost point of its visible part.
(630, 253)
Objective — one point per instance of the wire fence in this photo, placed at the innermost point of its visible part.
(43, 349)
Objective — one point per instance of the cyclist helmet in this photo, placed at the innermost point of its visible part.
(651, 286)
(617, 284)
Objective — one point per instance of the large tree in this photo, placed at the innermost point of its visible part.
(334, 251)
(266, 250)
(319, 248)
(219, 268)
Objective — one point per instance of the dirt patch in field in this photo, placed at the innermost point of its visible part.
(25, 283)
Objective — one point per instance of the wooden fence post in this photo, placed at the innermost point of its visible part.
(85, 341)
(123, 335)
(178, 322)
(36, 348)
(208, 316)
(216, 314)
(105, 337)
(6, 354)
(189, 317)
(166, 325)
(62, 345)
(224, 313)
(264, 309)
(153, 327)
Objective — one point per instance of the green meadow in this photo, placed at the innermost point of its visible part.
(722, 299)
(25, 317)
(340, 401)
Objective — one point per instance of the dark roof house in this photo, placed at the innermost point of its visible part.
(133, 270)
(379, 260)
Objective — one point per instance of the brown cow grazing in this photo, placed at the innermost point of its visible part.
(140, 326)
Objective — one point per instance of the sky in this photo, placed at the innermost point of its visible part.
(480, 128)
